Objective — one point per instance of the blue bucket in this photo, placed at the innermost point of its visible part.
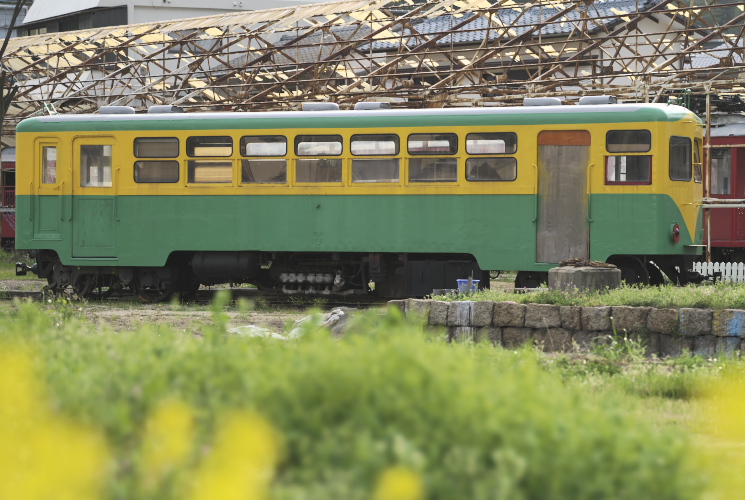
(463, 286)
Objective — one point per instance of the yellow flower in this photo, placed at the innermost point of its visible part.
(42, 455)
(167, 442)
(241, 463)
(399, 483)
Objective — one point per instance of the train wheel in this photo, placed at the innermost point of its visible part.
(530, 279)
(656, 278)
(104, 286)
(83, 285)
(152, 295)
(633, 271)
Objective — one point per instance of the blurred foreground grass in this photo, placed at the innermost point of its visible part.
(388, 412)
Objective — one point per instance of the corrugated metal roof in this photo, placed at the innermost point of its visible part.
(47, 9)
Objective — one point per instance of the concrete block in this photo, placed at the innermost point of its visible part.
(460, 334)
(630, 319)
(553, 340)
(460, 313)
(483, 313)
(706, 346)
(491, 334)
(695, 322)
(596, 318)
(438, 313)
(729, 346)
(584, 278)
(649, 340)
(663, 321)
(513, 337)
(398, 304)
(509, 314)
(674, 345)
(571, 317)
(542, 316)
(418, 309)
(728, 323)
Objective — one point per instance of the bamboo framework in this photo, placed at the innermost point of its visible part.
(413, 53)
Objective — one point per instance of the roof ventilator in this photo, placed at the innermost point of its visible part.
(116, 110)
(372, 105)
(320, 106)
(542, 101)
(169, 108)
(597, 99)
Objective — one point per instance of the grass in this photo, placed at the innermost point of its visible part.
(707, 296)
(156, 413)
(8, 265)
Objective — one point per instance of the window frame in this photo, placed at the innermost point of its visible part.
(434, 153)
(690, 158)
(482, 158)
(178, 147)
(176, 162)
(297, 143)
(263, 158)
(397, 143)
(44, 163)
(616, 152)
(188, 146)
(506, 153)
(242, 148)
(627, 183)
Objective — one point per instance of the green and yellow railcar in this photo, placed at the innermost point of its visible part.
(332, 201)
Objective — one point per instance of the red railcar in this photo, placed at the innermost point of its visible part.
(8, 200)
(728, 182)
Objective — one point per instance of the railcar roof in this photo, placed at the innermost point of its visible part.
(442, 117)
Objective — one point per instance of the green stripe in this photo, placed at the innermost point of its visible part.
(293, 121)
(498, 230)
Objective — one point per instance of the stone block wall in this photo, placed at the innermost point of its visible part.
(663, 332)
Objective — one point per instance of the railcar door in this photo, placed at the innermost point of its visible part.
(48, 209)
(562, 229)
(94, 197)
(722, 186)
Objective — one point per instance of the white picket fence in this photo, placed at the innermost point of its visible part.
(730, 272)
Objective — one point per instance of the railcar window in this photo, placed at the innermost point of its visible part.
(318, 145)
(721, 171)
(697, 166)
(264, 171)
(490, 144)
(628, 141)
(680, 158)
(49, 165)
(210, 171)
(491, 169)
(264, 145)
(433, 170)
(433, 144)
(219, 146)
(375, 170)
(164, 171)
(374, 145)
(318, 170)
(95, 165)
(156, 147)
(631, 169)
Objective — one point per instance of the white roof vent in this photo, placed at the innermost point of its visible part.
(372, 105)
(165, 109)
(116, 110)
(542, 101)
(320, 106)
(590, 100)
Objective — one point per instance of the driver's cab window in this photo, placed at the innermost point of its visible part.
(49, 165)
(95, 165)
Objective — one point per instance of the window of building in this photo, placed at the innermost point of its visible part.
(681, 165)
(318, 170)
(628, 141)
(95, 165)
(491, 169)
(318, 145)
(375, 170)
(433, 170)
(491, 143)
(375, 145)
(164, 171)
(49, 165)
(264, 171)
(628, 169)
(433, 144)
(721, 171)
(217, 146)
(210, 171)
(156, 147)
(264, 145)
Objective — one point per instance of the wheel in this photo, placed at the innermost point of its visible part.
(104, 286)
(83, 285)
(153, 294)
(530, 279)
(494, 274)
(633, 272)
(656, 278)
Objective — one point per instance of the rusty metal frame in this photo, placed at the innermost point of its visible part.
(413, 53)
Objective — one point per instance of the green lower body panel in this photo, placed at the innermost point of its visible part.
(498, 230)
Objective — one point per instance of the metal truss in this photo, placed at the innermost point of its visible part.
(413, 53)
